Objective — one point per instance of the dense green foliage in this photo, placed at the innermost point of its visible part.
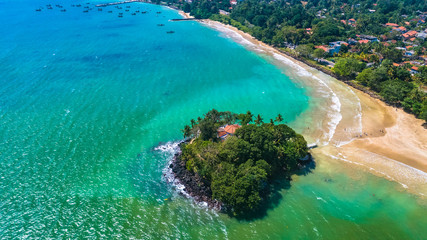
(395, 86)
(276, 22)
(241, 167)
(348, 67)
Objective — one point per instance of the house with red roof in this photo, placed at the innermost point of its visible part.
(392, 24)
(364, 41)
(227, 130)
(410, 34)
(323, 47)
(402, 29)
(414, 70)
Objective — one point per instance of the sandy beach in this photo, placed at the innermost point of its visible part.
(363, 132)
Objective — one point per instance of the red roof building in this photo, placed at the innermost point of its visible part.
(323, 47)
(231, 129)
(224, 132)
(392, 24)
(410, 34)
(221, 134)
(363, 41)
(403, 29)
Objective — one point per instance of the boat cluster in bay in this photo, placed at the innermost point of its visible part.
(121, 10)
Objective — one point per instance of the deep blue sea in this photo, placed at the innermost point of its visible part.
(85, 99)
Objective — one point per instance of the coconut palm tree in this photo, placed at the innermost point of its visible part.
(249, 116)
(279, 118)
(193, 122)
(258, 120)
(186, 131)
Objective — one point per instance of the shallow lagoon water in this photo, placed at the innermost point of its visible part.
(85, 99)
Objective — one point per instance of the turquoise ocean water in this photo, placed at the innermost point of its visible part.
(85, 98)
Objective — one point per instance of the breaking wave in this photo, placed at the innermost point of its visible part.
(334, 111)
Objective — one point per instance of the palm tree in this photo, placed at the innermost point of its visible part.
(249, 116)
(271, 121)
(186, 131)
(258, 120)
(279, 118)
(213, 115)
(193, 122)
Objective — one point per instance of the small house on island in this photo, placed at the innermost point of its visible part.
(227, 130)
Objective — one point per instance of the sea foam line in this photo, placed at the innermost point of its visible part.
(408, 169)
(334, 115)
(232, 34)
(370, 168)
(172, 148)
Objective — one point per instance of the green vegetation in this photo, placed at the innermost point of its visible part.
(241, 168)
(348, 67)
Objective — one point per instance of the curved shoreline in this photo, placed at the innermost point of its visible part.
(389, 142)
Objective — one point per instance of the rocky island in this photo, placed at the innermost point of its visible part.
(230, 160)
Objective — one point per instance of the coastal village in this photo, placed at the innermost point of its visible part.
(405, 37)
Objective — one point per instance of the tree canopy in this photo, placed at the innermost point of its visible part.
(241, 167)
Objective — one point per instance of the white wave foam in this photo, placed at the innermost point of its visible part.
(171, 148)
(233, 35)
(335, 113)
(299, 70)
(405, 168)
